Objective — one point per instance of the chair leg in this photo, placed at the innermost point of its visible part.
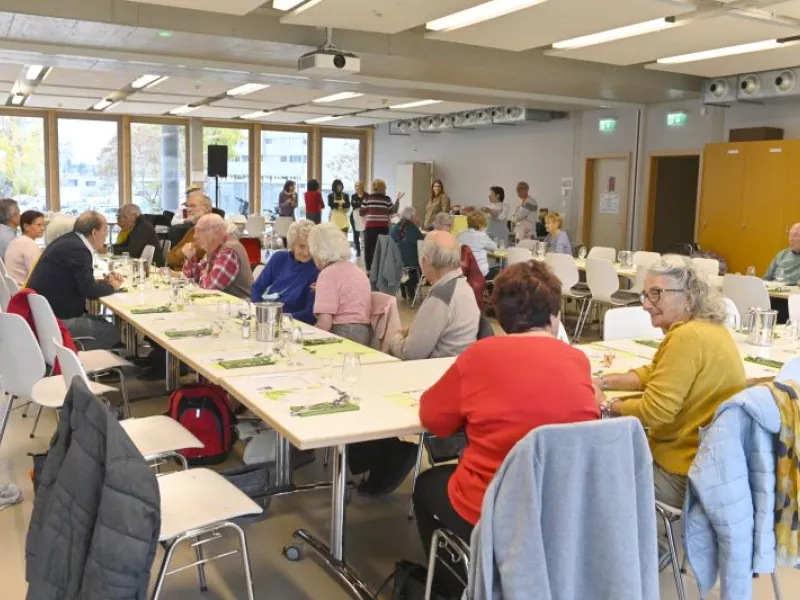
(162, 572)
(36, 421)
(248, 576)
(673, 554)
(201, 567)
(6, 415)
(326, 457)
(776, 586)
(126, 405)
(587, 308)
(434, 549)
(417, 469)
(25, 410)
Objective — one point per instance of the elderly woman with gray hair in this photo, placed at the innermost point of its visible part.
(343, 295)
(407, 234)
(290, 275)
(443, 222)
(696, 368)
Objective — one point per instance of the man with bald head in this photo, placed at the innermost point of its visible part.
(141, 234)
(787, 259)
(197, 205)
(447, 321)
(225, 266)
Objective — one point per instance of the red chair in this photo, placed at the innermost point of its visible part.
(253, 247)
(475, 279)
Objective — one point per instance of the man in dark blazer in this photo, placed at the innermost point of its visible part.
(142, 234)
(64, 275)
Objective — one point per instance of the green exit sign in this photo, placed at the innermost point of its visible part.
(677, 118)
(607, 124)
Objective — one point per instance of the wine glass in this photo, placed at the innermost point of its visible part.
(751, 271)
(287, 324)
(793, 330)
(224, 309)
(582, 253)
(780, 275)
(245, 310)
(351, 369)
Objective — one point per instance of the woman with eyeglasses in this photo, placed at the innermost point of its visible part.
(696, 368)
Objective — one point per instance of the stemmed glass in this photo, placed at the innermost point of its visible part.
(751, 271)
(780, 275)
(224, 309)
(582, 253)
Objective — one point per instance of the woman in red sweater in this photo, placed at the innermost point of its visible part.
(314, 203)
(498, 390)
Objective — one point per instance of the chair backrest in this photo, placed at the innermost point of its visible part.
(562, 333)
(148, 253)
(13, 287)
(708, 266)
(5, 295)
(257, 271)
(419, 251)
(602, 279)
(564, 267)
(642, 257)
(735, 317)
(638, 282)
(790, 371)
(21, 360)
(746, 292)
(518, 255)
(70, 364)
(165, 248)
(252, 245)
(527, 244)
(47, 327)
(794, 307)
(255, 225)
(628, 323)
(3, 271)
(609, 254)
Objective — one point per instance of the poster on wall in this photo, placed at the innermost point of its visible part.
(609, 204)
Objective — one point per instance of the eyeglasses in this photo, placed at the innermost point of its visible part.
(654, 295)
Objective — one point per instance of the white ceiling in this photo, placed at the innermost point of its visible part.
(107, 81)
(231, 7)
(204, 88)
(138, 108)
(555, 20)
(321, 109)
(789, 9)
(283, 116)
(377, 16)
(60, 102)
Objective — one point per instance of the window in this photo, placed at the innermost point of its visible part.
(22, 172)
(341, 159)
(88, 153)
(234, 191)
(158, 166)
(280, 164)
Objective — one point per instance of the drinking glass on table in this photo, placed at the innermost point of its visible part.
(582, 253)
(224, 309)
(166, 275)
(751, 271)
(793, 330)
(780, 275)
(287, 323)
(351, 369)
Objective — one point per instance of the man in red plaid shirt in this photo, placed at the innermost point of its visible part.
(225, 266)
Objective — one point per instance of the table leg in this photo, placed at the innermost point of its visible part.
(284, 484)
(334, 555)
(173, 372)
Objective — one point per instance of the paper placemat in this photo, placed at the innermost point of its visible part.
(243, 363)
(764, 362)
(336, 351)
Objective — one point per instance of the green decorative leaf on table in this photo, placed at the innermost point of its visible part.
(243, 363)
(323, 408)
(277, 395)
(649, 343)
(764, 362)
(150, 310)
(196, 295)
(176, 334)
(321, 342)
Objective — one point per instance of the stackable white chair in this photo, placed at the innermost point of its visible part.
(418, 293)
(564, 267)
(527, 244)
(518, 255)
(628, 323)
(3, 271)
(13, 287)
(735, 318)
(746, 292)
(707, 266)
(148, 253)
(643, 257)
(609, 254)
(165, 248)
(255, 225)
(257, 271)
(562, 333)
(794, 307)
(601, 276)
(5, 295)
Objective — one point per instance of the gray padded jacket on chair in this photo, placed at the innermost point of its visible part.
(96, 517)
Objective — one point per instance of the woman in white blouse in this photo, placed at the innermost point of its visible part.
(23, 252)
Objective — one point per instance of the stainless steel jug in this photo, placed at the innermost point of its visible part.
(540, 249)
(763, 326)
(268, 321)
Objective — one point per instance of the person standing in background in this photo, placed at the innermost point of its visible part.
(356, 220)
(438, 202)
(9, 222)
(339, 203)
(314, 203)
(287, 202)
(524, 218)
(497, 213)
(377, 211)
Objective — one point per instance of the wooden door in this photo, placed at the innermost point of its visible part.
(607, 202)
(720, 223)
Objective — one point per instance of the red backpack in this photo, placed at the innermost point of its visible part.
(205, 410)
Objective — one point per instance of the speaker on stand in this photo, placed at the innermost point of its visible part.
(217, 166)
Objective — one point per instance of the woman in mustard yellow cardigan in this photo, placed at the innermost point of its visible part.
(695, 369)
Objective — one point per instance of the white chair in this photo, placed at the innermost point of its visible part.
(22, 370)
(564, 267)
(93, 362)
(638, 282)
(518, 255)
(3, 271)
(746, 292)
(450, 544)
(527, 244)
(642, 257)
(422, 281)
(255, 225)
(562, 333)
(735, 318)
(609, 254)
(148, 253)
(12, 286)
(5, 295)
(257, 271)
(604, 285)
(184, 518)
(165, 248)
(707, 266)
(629, 323)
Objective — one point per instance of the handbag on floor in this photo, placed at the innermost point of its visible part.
(255, 481)
(445, 449)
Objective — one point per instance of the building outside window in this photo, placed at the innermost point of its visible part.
(22, 162)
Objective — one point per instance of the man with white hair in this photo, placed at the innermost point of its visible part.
(443, 222)
(141, 234)
(9, 223)
(448, 320)
(225, 266)
(197, 205)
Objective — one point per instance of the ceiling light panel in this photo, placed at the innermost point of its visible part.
(147, 81)
(383, 16)
(318, 120)
(620, 33)
(322, 109)
(183, 110)
(282, 116)
(247, 88)
(245, 105)
(60, 102)
(217, 112)
(288, 95)
(90, 79)
(228, 7)
(285, 4)
(720, 52)
(480, 13)
(692, 36)
(103, 104)
(32, 72)
(549, 22)
(259, 114)
(338, 97)
(138, 108)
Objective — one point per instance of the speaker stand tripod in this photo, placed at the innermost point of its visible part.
(216, 191)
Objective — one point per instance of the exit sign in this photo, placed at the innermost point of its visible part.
(677, 118)
(607, 124)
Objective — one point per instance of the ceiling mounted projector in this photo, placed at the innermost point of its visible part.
(328, 60)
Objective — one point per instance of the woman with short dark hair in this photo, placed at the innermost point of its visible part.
(314, 203)
(339, 203)
(488, 394)
(23, 252)
(497, 212)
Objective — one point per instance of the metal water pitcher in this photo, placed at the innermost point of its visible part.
(540, 249)
(762, 327)
(268, 321)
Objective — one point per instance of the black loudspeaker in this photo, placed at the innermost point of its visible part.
(217, 161)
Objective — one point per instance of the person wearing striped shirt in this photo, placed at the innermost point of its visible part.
(377, 210)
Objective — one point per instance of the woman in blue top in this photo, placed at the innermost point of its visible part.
(289, 276)
(557, 239)
(407, 233)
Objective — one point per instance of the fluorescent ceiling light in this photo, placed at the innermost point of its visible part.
(182, 110)
(415, 104)
(300, 77)
(324, 119)
(620, 33)
(33, 72)
(147, 81)
(256, 115)
(17, 99)
(247, 88)
(285, 4)
(103, 104)
(339, 96)
(720, 52)
(478, 14)
(342, 81)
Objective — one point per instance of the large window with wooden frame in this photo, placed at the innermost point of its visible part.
(234, 190)
(22, 161)
(88, 166)
(158, 166)
(284, 157)
(342, 160)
